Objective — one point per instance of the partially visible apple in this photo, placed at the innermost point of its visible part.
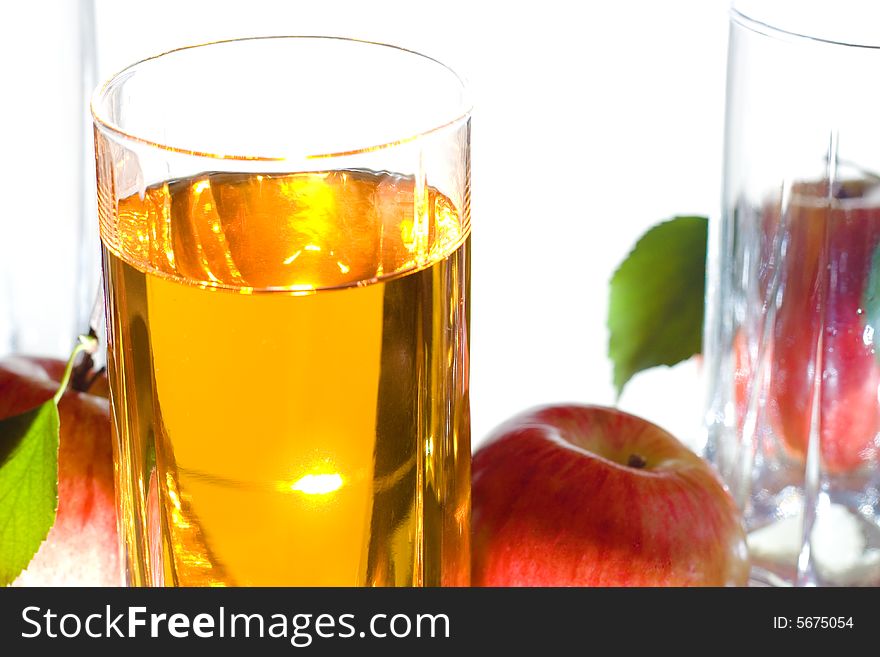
(81, 548)
(827, 266)
(573, 495)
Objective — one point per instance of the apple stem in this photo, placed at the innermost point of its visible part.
(85, 374)
(636, 461)
(85, 343)
(82, 376)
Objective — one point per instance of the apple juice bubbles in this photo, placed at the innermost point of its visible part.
(289, 364)
(794, 302)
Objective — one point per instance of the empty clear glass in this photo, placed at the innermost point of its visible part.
(49, 257)
(794, 291)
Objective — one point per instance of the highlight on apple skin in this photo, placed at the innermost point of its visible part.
(574, 495)
(82, 547)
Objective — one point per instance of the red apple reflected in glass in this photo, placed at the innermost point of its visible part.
(573, 495)
(81, 548)
(821, 323)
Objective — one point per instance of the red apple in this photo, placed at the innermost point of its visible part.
(828, 261)
(589, 496)
(81, 548)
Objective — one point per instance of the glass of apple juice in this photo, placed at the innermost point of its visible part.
(793, 313)
(286, 231)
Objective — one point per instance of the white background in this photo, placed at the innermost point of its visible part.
(593, 121)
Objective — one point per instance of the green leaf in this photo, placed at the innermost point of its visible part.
(871, 299)
(28, 485)
(29, 474)
(655, 314)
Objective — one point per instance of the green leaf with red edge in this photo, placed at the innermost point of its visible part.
(28, 485)
(871, 300)
(655, 313)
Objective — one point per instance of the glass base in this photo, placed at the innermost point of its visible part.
(761, 578)
(843, 550)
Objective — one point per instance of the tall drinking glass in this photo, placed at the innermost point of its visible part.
(794, 291)
(285, 224)
(49, 257)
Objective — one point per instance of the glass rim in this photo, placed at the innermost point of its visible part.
(765, 28)
(105, 123)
